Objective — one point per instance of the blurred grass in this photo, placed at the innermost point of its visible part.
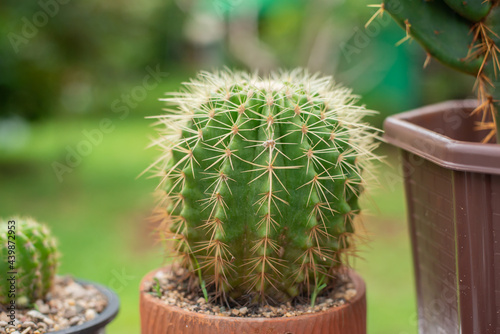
(386, 263)
(98, 214)
(93, 52)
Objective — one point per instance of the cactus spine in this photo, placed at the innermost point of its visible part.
(36, 260)
(260, 179)
(463, 35)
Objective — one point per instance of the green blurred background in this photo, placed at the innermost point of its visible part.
(77, 80)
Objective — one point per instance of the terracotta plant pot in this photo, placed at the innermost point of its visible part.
(452, 186)
(158, 317)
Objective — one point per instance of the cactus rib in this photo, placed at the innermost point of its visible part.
(260, 180)
(36, 260)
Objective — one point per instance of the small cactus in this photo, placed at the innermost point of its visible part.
(463, 35)
(260, 180)
(34, 258)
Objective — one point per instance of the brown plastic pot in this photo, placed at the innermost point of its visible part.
(158, 317)
(452, 186)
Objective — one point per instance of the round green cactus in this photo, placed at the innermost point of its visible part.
(260, 180)
(29, 254)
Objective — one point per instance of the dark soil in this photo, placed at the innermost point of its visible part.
(174, 288)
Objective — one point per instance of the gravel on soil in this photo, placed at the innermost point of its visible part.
(172, 287)
(69, 303)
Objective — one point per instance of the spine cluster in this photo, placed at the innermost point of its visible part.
(464, 35)
(260, 180)
(33, 257)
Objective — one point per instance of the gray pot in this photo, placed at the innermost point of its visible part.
(98, 324)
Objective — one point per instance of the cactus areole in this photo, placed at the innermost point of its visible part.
(464, 35)
(260, 180)
(29, 261)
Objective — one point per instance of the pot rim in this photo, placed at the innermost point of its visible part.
(102, 319)
(444, 151)
(355, 277)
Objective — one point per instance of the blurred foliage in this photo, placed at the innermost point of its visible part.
(62, 57)
(70, 57)
(65, 63)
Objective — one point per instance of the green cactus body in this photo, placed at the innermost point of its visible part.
(36, 260)
(463, 35)
(260, 180)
